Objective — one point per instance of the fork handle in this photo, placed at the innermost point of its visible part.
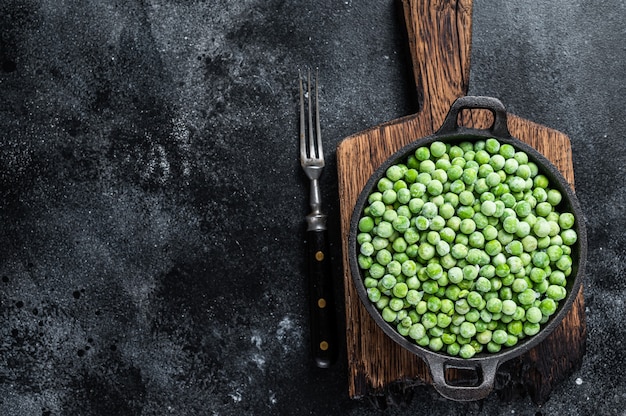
(321, 300)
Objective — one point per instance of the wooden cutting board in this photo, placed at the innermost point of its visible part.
(439, 35)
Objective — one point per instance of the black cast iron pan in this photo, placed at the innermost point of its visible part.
(484, 364)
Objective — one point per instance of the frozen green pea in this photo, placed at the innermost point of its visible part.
(557, 277)
(388, 281)
(516, 184)
(459, 251)
(480, 186)
(366, 224)
(363, 238)
(417, 190)
(410, 175)
(394, 267)
(534, 314)
(429, 320)
(531, 328)
(373, 294)
(383, 257)
(541, 181)
(403, 195)
(396, 304)
(370, 282)
(488, 208)
(499, 336)
(468, 330)
(430, 286)
(523, 229)
(437, 149)
(569, 237)
(527, 297)
(429, 210)
(497, 162)
(494, 305)
(427, 166)
(467, 351)
(522, 209)
(377, 208)
(515, 328)
(389, 315)
(384, 229)
(389, 196)
(434, 187)
(540, 259)
(515, 248)
(540, 194)
(394, 173)
(401, 223)
(426, 251)
(519, 285)
(564, 263)
(477, 239)
(379, 243)
(367, 249)
(435, 344)
(566, 220)
(461, 306)
(442, 247)
(467, 226)
(422, 223)
(365, 262)
(554, 197)
(446, 210)
(384, 184)
(377, 271)
(511, 341)
(508, 307)
(510, 166)
(470, 272)
(455, 275)
(537, 274)
(411, 235)
(400, 290)
(474, 299)
(433, 304)
(413, 297)
(548, 307)
(409, 268)
(422, 153)
(507, 151)
(455, 172)
(437, 223)
(492, 146)
(434, 271)
(523, 171)
(541, 228)
(390, 215)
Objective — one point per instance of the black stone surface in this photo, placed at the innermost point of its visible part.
(152, 204)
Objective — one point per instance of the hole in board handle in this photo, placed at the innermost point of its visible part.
(478, 118)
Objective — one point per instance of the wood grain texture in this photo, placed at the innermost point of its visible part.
(440, 35)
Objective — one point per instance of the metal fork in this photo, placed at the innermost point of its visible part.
(321, 303)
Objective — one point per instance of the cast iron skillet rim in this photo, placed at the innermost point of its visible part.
(557, 180)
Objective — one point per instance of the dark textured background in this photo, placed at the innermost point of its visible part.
(152, 204)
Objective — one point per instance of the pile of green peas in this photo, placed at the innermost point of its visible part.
(462, 247)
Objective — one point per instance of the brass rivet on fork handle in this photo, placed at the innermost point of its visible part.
(321, 305)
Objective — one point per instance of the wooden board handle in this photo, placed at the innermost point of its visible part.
(440, 36)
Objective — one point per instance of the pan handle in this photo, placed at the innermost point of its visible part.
(486, 370)
(498, 128)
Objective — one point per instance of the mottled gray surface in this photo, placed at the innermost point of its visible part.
(151, 200)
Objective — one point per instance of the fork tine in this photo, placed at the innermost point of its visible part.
(311, 132)
(302, 127)
(318, 130)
